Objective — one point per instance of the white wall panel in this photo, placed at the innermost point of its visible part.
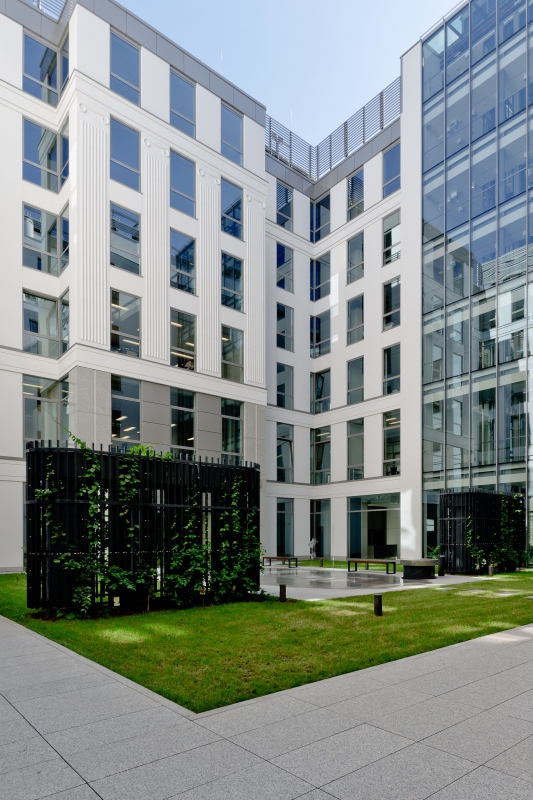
(155, 85)
(90, 45)
(254, 294)
(208, 118)
(373, 181)
(155, 239)
(209, 277)
(93, 228)
(11, 49)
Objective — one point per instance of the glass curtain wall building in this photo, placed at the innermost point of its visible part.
(477, 199)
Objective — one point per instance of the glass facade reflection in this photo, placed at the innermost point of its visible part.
(477, 120)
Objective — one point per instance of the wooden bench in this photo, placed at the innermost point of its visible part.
(366, 561)
(292, 560)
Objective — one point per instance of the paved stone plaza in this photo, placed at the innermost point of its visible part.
(451, 724)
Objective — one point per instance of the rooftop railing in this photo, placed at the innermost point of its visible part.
(314, 161)
(52, 8)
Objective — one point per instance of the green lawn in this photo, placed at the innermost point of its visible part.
(204, 658)
(344, 565)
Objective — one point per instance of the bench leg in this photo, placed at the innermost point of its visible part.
(366, 566)
(394, 569)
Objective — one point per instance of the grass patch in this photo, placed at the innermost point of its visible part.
(328, 564)
(203, 658)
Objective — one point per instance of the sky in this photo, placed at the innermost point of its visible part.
(313, 64)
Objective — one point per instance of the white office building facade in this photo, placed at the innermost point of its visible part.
(182, 271)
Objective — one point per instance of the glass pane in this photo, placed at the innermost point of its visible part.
(182, 175)
(483, 98)
(182, 426)
(512, 152)
(125, 419)
(40, 419)
(457, 264)
(356, 258)
(40, 146)
(483, 24)
(125, 235)
(433, 275)
(124, 60)
(40, 315)
(232, 345)
(231, 128)
(182, 258)
(125, 313)
(231, 435)
(40, 240)
(182, 331)
(457, 341)
(182, 97)
(124, 145)
(125, 387)
(512, 239)
(483, 252)
(433, 64)
(433, 133)
(483, 175)
(511, 18)
(457, 44)
(457, 116)
(483, 325)
(457, 190)
(483, 420)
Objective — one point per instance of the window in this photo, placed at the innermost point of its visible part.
(391, 369)
(285, 527)
(284, 386)
(231, 144)
(182, 424)
(320, 219)
(41, 150)
(231, 221)
(320, 455)
(356, 319)
(182, 257)
(356, 194)
(319, 277)
(391, 443)
(374, 526)
(64, 59)
(125, 409)
(40, 71)
(356, 447)
(284, 329)
(356, 374)
(182, 184)
(64, 151)
(231, 411)
(46, 408)
(232, 354)
(232, 282)
(320, 528)
(320, 332)
(284, 206)
(125, 324)
(320, 391)
(391, 304)
(391, 170)
(182, 101)
(356, 265)
(284, 278)
(124, 78)
(391, 238)
(125, 239)
(285, 465)
(45, 325)
(182, 339)
(45, 243)
(124, 166)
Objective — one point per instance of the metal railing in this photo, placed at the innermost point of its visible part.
(314, 161)
(52, 8)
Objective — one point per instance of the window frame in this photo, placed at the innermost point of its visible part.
(176, 351)
(388, 255)
(185, 452)
(394, 464)
(394, 378)
(323, 474)
(232, 222)
(352, 272)
(118, 333)
(238, 297)
(319, 290)
(229, 364)
(128, 399)
(281, 277)
(357, 207)
(394, 313)
(191, 277)
(320, 347)
(119, 78)
(389, 187)
(355, 388)
(353, 469)
(288, 221)
(60, 179)
(316, 234)
(26, 76)
(357, 333)
(279, 394)
(58, 338)
(232, 457)
(223, 142)
(174, 111)
(178, 191)
(127, 211)
(60, 254)
(286, 338)
(122, 164)
(285, 474)
(60, 402)
(320, 406)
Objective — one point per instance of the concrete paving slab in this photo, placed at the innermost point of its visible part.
(86, 732)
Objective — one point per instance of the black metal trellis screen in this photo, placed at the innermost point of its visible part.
(483, 511)
(166, 495)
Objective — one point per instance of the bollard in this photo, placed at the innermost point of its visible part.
(378, 605)
(321, 562)
(282, 593)
(442, 566)
(491, 571)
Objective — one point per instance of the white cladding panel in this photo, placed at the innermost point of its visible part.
(90, 45)
(11, 50)
(254, 293)
(209, 277)
(208, 118)
(155, 85)
(156, 257)
(93, 236)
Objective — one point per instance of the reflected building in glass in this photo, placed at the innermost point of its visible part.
(477, 95)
